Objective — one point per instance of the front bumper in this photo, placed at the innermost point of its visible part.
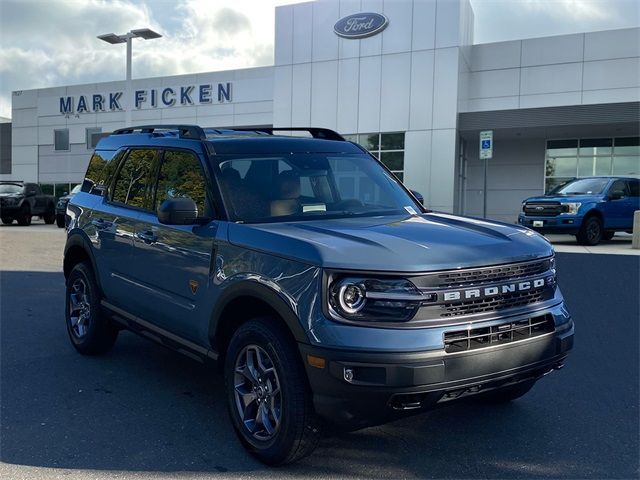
(569, 224)
(384, 386)
(10, 210)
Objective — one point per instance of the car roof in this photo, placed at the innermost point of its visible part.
(230, 141)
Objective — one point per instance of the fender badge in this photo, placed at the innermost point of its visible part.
(194, 286)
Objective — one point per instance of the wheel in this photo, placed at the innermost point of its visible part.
(269, 400)
(24, 217)
(60, 221)
(50, 216)
(7, 220)
(91, 332)
(590, 232)
(508, 394)
(608, 235)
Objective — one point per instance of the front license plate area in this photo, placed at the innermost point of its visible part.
(538, 223)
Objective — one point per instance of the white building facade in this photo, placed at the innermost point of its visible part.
(416, 92)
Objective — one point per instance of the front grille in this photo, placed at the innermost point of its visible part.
(480, 276)
(492, 304)
(475, 338)
(542, 209)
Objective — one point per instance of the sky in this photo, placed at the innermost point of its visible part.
(46, 43)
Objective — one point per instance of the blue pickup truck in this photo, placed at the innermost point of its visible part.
(592, 208)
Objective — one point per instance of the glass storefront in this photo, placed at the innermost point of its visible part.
(387, 147)
(568, 159)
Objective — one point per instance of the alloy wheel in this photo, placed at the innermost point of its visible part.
(79, 308)
(257, 392)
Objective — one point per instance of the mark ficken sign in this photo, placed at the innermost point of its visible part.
(204, 94)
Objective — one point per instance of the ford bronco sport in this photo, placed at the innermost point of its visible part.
(323, 289)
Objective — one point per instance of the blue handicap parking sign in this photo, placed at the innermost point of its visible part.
(486, 144)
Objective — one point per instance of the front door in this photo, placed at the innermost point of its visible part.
(619, 211)
(172, 262)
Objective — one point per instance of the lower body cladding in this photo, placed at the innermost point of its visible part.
(358, 389)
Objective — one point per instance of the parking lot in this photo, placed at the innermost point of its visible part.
(142, 411)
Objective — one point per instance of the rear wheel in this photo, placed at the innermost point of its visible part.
(590, 232)
(50, 216)
(269, 399)
(91, 332)
(508, 394)
(24, 217)
(60, 221)
(7, 220)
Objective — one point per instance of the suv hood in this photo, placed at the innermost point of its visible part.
(565, 198)
(394, 243)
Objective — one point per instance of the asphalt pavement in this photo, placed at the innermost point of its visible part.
(142, 411)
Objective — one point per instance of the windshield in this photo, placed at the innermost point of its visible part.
(10, 188)
(584, 186)
(299, 186)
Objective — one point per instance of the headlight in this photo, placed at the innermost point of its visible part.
(62, 204)
(373, 299)
(570, 208)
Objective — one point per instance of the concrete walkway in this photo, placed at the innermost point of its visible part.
(620, 244)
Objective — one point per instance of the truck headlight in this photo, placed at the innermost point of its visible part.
(374, 299)
(570, 208)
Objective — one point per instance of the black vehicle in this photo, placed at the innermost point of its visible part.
(61, 206)
(22, 200)
(321, 302)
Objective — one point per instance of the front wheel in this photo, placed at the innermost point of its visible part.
(590, 232)
(269, 400)
(24, 217)
(91, 332)
(60, 221)
(7, 220)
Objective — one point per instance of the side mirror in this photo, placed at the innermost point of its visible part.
(616, 195)
(418, 196)
(178, 211)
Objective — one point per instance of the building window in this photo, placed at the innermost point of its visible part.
(387, 147)
(92, 135)
(61, 139)
(569, 159)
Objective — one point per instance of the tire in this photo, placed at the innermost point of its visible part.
(590, 232)
(608, 235)
(60, 221)
(50, 216)
(508, 394)
(24, 217)
(7, 220)
(90, 332)
(297, 431)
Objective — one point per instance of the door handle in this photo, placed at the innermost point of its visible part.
(147, 237)
(100, 223)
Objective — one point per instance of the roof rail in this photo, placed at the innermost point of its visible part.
(193, 132)
(323, 133)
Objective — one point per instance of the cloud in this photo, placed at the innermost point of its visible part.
(53, 43)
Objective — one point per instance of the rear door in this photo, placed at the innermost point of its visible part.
(172, 262)
(112, 223)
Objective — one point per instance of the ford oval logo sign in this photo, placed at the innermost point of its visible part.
(360, 25)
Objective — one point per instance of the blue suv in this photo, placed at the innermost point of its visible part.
(591, 208)
(319, 285)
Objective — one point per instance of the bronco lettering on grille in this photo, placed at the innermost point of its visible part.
(485, 292)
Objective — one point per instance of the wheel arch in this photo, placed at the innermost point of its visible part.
(76, 250)
(243, 302)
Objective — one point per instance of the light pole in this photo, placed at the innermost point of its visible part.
(112, 38)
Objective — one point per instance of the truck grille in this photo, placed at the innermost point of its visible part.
(542, 209)
(475, 338)
(492, 304)
(480, 276)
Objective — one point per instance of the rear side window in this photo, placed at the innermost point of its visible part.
(181, 176)
(100, 171)
(135, 180)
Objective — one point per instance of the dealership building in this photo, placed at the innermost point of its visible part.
(401, 77)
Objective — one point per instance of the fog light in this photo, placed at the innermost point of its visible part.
(348, 375)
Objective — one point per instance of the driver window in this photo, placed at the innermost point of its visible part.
(620, 185)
